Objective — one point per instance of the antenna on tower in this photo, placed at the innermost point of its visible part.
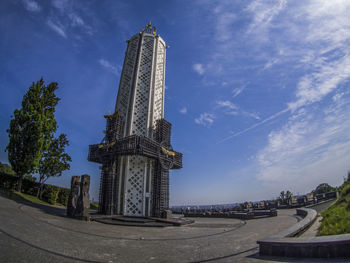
(149, 28)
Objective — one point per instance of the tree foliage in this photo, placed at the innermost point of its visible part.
(55, 160)
(6, 169)
(285, 197)
(323, 188)
(32, 128)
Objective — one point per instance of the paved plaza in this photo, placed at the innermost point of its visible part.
(39, 233)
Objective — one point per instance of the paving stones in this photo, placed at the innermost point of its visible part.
(38, 233)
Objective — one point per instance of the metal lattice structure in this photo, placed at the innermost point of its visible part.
(136, 153)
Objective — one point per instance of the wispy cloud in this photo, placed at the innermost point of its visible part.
(272, 117)
(270, 63)
(232, 109)
(61, 5)
(227, 104)
(111, 68)
(318, 45)
(183, 110)
(31, 5)
(263, 13)
(76, 20)
(58, 28)
(68, 15)
(228, 107)
(205, 119)
(237, 91)
(313, 144)
(253, 115)
(224, 24)
(313, 87)
(198, 68)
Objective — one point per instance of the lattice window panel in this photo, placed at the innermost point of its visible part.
(126, 78)
(140, 111)
(135, 186)
(159, 84)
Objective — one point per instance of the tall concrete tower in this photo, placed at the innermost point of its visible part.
(136, 153)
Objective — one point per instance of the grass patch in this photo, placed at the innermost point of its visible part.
(94, 206)
(17, 196)
(21, 197)
(336, 218)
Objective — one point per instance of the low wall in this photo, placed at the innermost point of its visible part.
(286, 245)
(255, 214)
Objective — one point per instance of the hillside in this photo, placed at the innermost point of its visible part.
(336, 218)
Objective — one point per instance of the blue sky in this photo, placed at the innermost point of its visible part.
(257, 91)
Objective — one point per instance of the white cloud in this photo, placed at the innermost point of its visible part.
(205, 119)
(316, 41)
(60, 4)
(270, 63)
(227, 104)
(263, 13)
(237, 91)
(31, 5)
(69, 16)
(183, 110)
(232, 109)
(109, 66)
(313, 146)
(272, 117)
(76, 20)
(58, 28)
(253, 115)
(224, 24)
(315, 86)
(198, 68)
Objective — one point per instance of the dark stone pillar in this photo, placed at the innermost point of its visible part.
(73, 196)
(83, 205)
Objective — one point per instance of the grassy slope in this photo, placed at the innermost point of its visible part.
(336, 218)
(17, 196)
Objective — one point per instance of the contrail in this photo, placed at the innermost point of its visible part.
(255, 125)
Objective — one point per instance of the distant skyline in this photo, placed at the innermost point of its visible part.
(258, 92)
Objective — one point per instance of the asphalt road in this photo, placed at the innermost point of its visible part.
(38, 233)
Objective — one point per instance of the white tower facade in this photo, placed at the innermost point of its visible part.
(140, 102)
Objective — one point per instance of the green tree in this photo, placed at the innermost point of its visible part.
(55, 160)
(323, 188)
(285, 197)
(288, 196)
(282, 197)
(6, 169)
(31, 129)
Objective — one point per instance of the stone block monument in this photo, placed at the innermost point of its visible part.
(79, 199)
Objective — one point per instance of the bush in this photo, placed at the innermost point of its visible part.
(8, 182)
(63, 196)
(50, 194)
(30, 187)
(94, 206)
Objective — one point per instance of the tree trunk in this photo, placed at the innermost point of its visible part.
(19, 185)
(38, 192)
(41, 191)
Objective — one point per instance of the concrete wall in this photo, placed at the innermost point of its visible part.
(286, 245)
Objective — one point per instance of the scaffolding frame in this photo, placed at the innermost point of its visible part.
(113, 146)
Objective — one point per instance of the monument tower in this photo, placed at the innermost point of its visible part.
(136, 152)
